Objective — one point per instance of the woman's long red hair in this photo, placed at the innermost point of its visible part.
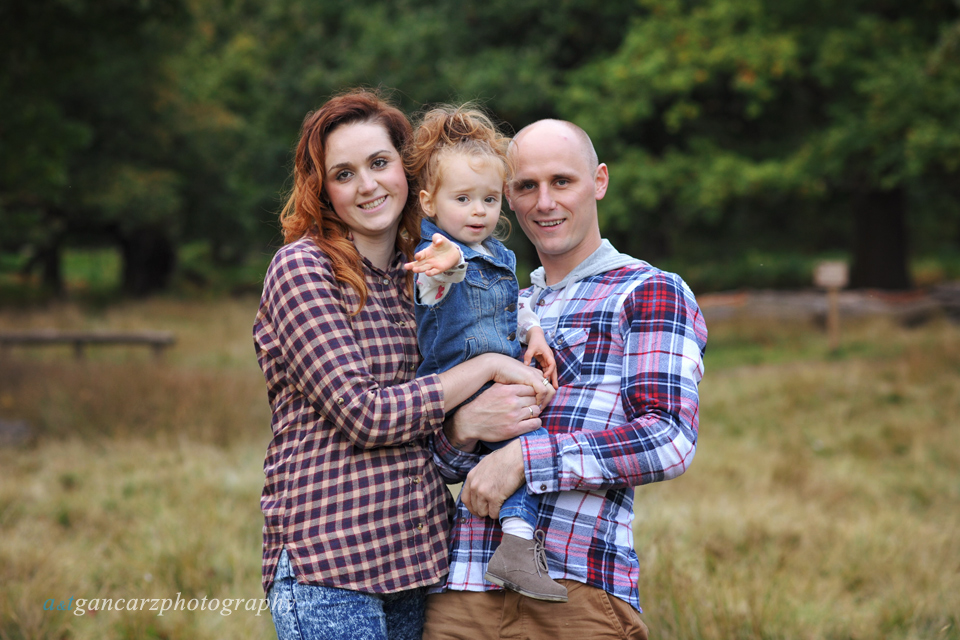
(308, 211)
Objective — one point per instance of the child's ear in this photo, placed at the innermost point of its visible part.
(426, 203)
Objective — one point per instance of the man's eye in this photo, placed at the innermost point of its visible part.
(562, 183)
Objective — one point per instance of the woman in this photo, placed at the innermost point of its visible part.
(356, 514)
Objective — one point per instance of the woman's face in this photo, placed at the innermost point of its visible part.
(365, 181)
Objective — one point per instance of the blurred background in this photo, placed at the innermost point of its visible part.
(146, 144)
(145, 150)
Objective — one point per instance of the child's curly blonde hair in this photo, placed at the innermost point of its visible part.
(449, 129)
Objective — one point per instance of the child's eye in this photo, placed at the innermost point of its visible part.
(463, 199)
(491, 200)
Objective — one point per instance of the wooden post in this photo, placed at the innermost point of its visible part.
(833, 318)
(832, 276)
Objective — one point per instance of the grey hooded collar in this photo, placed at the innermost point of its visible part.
(605, 258)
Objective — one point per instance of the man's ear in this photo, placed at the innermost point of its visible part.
(426, 203)
(601, 180)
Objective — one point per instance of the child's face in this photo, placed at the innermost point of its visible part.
(467, 203)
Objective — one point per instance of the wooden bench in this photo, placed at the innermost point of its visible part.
(157, 340)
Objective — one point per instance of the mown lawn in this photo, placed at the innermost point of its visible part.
(824, 501)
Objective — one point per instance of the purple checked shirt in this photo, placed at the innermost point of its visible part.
(351, 491)
(629, 347)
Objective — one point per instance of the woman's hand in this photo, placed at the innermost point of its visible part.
(510, 371)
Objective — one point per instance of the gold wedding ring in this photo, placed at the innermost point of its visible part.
(530, 407)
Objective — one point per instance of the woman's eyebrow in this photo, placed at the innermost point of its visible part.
(344, 165)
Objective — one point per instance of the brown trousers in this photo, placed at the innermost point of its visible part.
(590, 614)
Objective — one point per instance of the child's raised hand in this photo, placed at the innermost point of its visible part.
(442, 255)
(537, 348)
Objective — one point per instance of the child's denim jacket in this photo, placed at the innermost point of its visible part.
(478, 315)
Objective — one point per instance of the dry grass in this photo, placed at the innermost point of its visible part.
(824, 501)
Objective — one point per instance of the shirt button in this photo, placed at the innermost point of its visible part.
(412, 367)
(402, 323)
(511, 307)
(462, 519)
(386, 281)
(340, 401)
(419, 526)
(512, 336)
(541, 302)
(416, 480)
(543, 487)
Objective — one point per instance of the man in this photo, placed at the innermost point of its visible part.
(629, 341)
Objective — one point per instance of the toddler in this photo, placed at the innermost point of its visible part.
(467, 300)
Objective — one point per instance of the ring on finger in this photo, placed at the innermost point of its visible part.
(530, 408)
(546, 382)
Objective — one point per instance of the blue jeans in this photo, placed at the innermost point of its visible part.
(522, 504)
(312, 612)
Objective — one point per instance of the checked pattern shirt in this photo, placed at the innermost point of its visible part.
(629, 347)
(351, 490)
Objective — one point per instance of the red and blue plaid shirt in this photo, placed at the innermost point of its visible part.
(629, 346)
(351, 491)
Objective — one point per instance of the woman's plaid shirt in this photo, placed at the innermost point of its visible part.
(351, 491)
(629, 347)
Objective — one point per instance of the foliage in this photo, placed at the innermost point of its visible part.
(730, 126)
(752, 121)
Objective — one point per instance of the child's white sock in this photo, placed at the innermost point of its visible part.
(518, 527)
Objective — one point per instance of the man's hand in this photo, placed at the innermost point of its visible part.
(500, 413)
(493, 480)
(442, 255)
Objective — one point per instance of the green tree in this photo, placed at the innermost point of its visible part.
(804, 124)
(84, 152)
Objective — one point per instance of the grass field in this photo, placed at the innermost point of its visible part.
(824, 501)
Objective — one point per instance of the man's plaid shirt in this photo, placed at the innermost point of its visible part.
(629, 346)
(351, 491)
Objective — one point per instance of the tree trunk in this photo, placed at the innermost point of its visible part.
(880, 241)
(148, 261)
(51, 267)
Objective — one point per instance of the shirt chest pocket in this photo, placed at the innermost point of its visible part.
(486, 289)
(569, 347)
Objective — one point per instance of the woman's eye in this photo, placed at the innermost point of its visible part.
(343, 175)
(379, 163)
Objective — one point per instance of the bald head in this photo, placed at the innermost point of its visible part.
(563, 130)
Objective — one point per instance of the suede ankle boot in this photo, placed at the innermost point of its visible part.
(521, 565)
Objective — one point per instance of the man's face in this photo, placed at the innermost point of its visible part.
(554, 193)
